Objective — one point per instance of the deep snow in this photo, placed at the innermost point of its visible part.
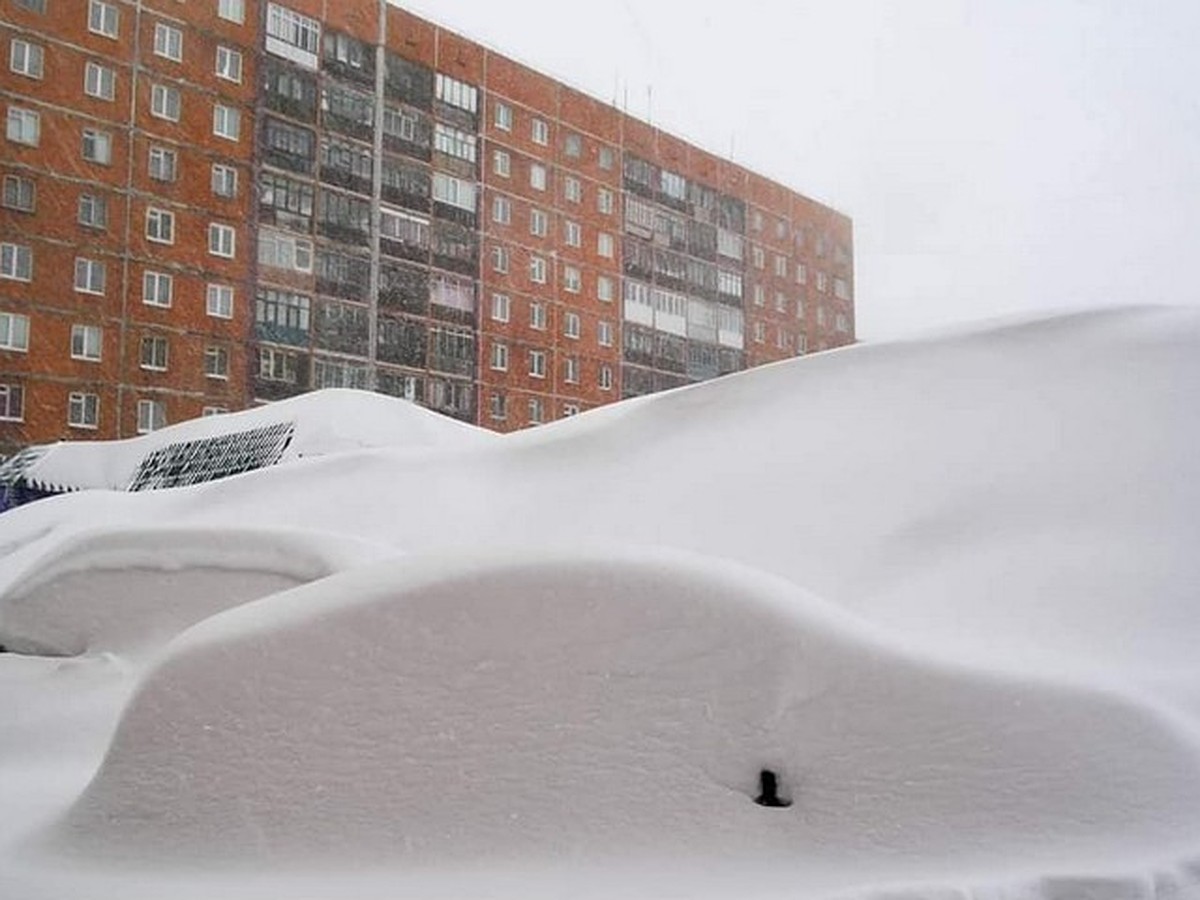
(944, 587)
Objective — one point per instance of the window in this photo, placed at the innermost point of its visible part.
(501, 163)
(164, 164)
(16, 262)
(278, 250)
(606, 158)
(89, 275)
(213, 411)
(537, 270)
(454, 191)
(537, 363)
(276, 365)
(12, 402)
(23, 126)
(14, 332)
(573, 146)
(841, 288)
(781, 266)
(227, 122)
(501, 210)
(288, 30)
(573, 189)
(218, 301)
(822, 282)
(801, 273)
(158, 289)
(103, 18)
(93, 211)
(222, 240)
(572, 281)
(570, 409)
(97, 146)
(571, 325)
(232, 10)
(604, 201)
(540, 132)
(604, 245)
(758, 257)
(673, 185)
(537, 413)
(86, 341)
(399, 123)
(842, 323)
(503, 116)
(20, 193)
(456, 93)
(604, 333)
(224, 180)
(760, 332)
(160, 226)
(83, 410)
(604, 288)
(25, 58)
(538, 223)
(154, 353)
(606, 378)
(499, 406)
(500, 307)
(283, 310)
(34, 6)
(780, 302)
(500, 259)
(571, 370)
(759, 295)
(799, 307)
(453, 142)
(168, 41)
(537, 316)
(229, 64)
(499, 359)
(537, 177)
(573, 234)
(216, 362)
(151, 416)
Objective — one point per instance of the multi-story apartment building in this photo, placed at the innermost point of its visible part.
(213, 203)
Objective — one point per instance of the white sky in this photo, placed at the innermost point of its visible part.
(997, 156)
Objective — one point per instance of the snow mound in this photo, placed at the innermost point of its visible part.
(321, 423)
(129, 589)
(605, 705)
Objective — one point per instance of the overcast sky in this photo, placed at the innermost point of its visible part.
(997, 157)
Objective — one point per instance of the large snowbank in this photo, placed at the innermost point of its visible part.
(996, 693)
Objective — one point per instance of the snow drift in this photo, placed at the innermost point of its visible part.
(589, 707)
(610, 627)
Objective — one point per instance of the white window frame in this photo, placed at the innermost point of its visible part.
(162, 160)
(537, 316)
(12, 402)
(88, 267)
(93, 204)
(539, 131)
(16, 189)
(501, 307)
(23, 126)
(160, 225)
(168, 42)
(456, 93)
(498, 359)
(158, 289)
(501, 163)
(166, 102)
(572, 282)
(222, 240)
(151, 416)
(155, 341)
(232, 10)
(537, 269)
(604, 201)
(101, 143)
(16, 262)
(573, 189)
(223, 180)
(539, 223)
(216, 352)
(604, 378)
(605, 245)
(227, 122)
(228, 64)
(604, 333)
(572, 325)
(26, 58)
(218, 300)
(606, 289)
(537, 363)
(87, 342)
(104, 19)
(501, 210)
(83, 410)
(502, 116)
(14, 332)
(500, 259)
(572, 233)
(537, 176)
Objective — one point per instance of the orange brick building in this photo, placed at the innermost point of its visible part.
(221, 202)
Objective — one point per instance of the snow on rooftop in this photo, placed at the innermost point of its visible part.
(935, 597)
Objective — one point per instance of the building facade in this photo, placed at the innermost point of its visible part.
(214, 203)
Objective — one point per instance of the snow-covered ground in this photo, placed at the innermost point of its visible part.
(944, 590)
